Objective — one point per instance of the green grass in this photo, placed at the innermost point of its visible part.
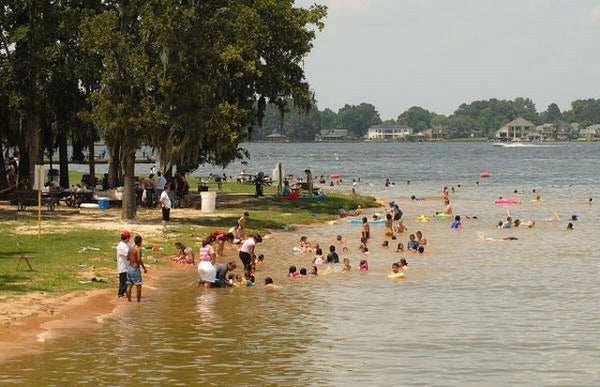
(57, 264)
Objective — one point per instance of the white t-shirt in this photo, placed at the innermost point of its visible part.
(247, 246)
(165, 199)
(122, 261)
(160, 182)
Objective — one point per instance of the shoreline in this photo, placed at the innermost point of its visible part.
(31, 322)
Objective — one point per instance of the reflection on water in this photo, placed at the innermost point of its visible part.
(471, 311)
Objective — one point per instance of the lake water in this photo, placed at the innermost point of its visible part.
(470, 312)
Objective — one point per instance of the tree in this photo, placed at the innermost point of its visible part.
(358, 119)
(192, 79)
(416, 117)
(552, 114)
(329, 119)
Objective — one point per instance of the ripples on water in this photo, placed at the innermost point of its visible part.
(471, 312)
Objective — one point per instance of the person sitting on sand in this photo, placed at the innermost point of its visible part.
(358, 210)
(184, 254)
(235, 231)
(269, 284)
(346, 266)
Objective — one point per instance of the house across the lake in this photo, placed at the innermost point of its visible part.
(389, 131)
(332, 135)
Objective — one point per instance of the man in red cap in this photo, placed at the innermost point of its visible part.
(123, 262)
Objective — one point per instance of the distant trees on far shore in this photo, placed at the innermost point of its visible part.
(482, 117)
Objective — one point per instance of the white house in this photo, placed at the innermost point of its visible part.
(388, 131)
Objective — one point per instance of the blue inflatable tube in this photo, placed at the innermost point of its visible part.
(317, 197)
(368, 221)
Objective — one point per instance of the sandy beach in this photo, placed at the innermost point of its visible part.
(30, 322)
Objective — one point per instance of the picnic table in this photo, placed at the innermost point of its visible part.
(27, 198)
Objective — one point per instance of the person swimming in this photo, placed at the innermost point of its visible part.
(364, 265)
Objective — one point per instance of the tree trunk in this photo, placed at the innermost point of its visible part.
(128, 210)
(35, 153)
(114, 165)
(63, 159)
(3, 180)
(77, 146)
(92, 160)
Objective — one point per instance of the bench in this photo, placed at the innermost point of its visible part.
(23, 257)
(24, 199)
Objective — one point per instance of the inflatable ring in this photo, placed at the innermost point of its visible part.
(396, 275)
(507, 201)
(444, 216)
(536, 200)
(485, 174)
(335, 176)
(423, 218)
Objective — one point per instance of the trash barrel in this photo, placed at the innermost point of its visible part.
(209, 199)
(103, 203)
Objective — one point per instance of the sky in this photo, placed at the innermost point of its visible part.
(438, 54)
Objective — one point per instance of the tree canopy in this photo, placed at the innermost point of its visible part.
(191, 79)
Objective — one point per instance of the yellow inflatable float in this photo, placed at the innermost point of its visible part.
(423, 218)
(396, 275)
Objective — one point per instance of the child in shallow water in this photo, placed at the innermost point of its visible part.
(346, 266)
(365, 229)
(363, 245)
(292, 272)
(412, 243)
(364, 265)
(396, 273)
(318, 259)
